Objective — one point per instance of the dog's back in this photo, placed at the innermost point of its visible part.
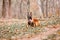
(36, 22)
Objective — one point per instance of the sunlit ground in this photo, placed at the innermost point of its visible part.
(14, 29)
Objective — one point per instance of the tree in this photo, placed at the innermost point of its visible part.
(1, 3)
(5, 9)
(42, 6)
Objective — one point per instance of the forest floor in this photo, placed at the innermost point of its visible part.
(15, 29)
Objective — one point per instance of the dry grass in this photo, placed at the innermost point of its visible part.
(14, 28)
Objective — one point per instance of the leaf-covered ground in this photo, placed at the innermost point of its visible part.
(49, 30)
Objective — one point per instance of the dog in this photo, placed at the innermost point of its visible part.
(34, 22)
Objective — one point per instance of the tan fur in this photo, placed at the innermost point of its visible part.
(36, 22)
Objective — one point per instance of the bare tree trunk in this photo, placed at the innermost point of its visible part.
(21, 9)
(41, 9)
(46, 8)
(28, 7)
(3, 9)
(28, 3)
(59, 8)
(10, 9)
(7, 8)
(1, 3)
(42, 6)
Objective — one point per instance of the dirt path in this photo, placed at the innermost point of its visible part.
(43, 35)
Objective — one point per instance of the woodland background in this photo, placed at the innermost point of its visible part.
(19, 8)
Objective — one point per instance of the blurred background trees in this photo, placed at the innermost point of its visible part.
(50, 8)
(19, 8)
